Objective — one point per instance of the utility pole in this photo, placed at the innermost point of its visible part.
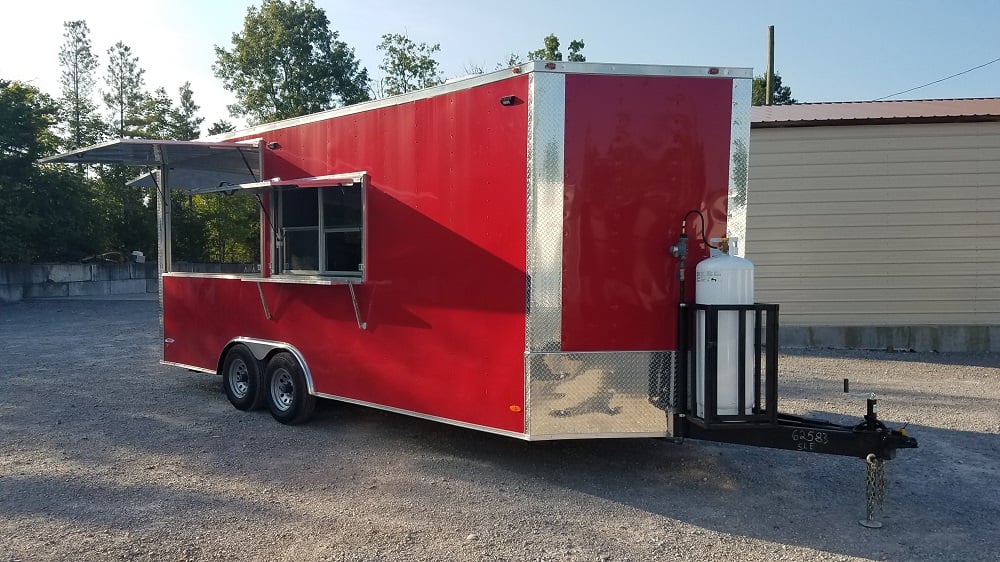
(769, 89)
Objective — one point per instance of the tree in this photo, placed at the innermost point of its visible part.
(154, 120)
(782, 94)
(184, 121)
(129, 212)
(288, 62)
(512, 60)
(45, 213)
(551, 51)
(124, 95)
(220, 126)
(407, 65)
(82, 126)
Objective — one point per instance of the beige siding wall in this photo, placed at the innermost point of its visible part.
(877, 225)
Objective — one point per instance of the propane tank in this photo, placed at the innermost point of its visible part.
(725, 279)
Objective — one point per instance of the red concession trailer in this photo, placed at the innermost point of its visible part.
(494, 253)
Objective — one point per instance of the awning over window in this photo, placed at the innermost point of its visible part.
(333, 180)
(191, 165)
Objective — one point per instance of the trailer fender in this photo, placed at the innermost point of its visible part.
(264, 349)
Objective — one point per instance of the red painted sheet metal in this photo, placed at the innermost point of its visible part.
(445, 296)
(640, 153)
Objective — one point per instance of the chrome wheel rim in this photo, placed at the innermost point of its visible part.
(239, 378)
(282, 390)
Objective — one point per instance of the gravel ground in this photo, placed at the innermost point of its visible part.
(106, 455)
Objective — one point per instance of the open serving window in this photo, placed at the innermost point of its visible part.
(318, 226)
(312, 229)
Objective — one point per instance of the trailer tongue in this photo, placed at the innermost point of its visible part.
(730, 393)
(757, 420)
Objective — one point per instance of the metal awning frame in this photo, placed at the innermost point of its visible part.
(168, 156)
(332, 180)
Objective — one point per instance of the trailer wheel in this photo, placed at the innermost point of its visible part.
(287, 394)
(242, 379)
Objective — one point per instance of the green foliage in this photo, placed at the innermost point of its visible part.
(512, 60)
(26, 114)
(407, 65)
(129, 213)
(232, 226)
(125, 95)
(288, 62)
(782, 94)
(81, 124)
(184, 121)
(154, 117)
(45, 212)
(216, 227)
(551, 51)
(220, 126)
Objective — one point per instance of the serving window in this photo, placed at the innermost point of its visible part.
(320, 230)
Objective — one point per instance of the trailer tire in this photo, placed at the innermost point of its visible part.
(286, 390)
(242, 378)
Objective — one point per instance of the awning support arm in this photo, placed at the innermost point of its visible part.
(247, 164)
(357, 313)
(263, 301)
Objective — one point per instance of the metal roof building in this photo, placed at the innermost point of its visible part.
(876, 112)
(877, 224)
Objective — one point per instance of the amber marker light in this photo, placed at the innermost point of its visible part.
(516, 70)
(515, 408)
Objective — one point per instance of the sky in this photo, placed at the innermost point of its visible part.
(846, 50)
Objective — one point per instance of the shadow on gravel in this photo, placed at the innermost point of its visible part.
(107, 438)
(752, 492)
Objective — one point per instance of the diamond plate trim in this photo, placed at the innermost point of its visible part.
(739, 165)
(576, 394)
(546, 156)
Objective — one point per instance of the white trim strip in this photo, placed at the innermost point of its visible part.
(479, 80)
(567, 436)
(188, 367)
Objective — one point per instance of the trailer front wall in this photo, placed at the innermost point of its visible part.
(616, 162)
(444, 297)
(640, 152)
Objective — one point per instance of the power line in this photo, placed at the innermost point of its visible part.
(941, 80)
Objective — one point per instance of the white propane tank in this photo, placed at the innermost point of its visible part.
(725, 279)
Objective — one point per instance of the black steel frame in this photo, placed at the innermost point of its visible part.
(764, 426)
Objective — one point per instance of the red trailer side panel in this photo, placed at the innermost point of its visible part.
(640, 153)
(444, 298)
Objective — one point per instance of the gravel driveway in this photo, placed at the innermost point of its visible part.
(106, 455)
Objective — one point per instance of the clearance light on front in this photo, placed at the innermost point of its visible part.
(713, 70)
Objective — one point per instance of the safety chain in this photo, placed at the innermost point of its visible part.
(874, 490)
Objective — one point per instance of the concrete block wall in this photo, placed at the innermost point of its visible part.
(75, 279)
(19, 282)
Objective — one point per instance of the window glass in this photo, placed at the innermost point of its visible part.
(301, 250)
(322, 230)
(299, 207)
(341, 206)
(343, 252)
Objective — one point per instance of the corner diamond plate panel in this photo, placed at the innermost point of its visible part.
(739, 165)
(546, 155)
(595, 394)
